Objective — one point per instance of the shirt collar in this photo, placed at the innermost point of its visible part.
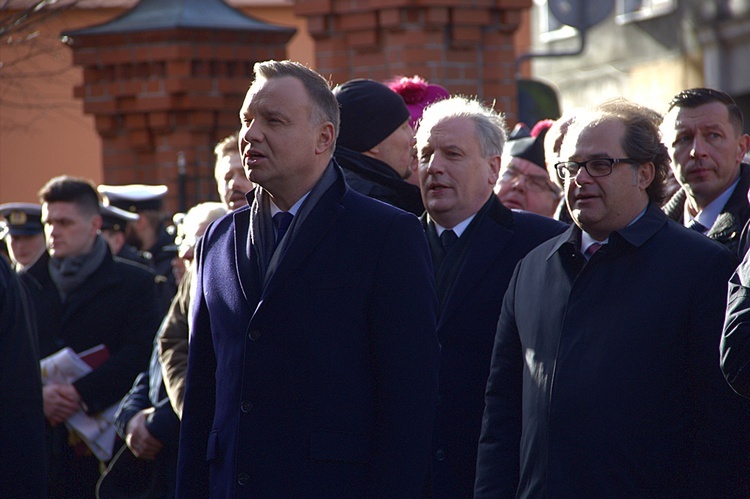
(708, 215)
(637, 232)
(293, 210)
(459, 228)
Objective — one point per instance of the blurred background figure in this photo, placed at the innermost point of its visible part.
(230, 176)
(524, 183)
(145, 418)
(24, 233)
(232, 185)
(417, 93)
(114, 223)
(552, 143)
(147, 233)
(190, 228)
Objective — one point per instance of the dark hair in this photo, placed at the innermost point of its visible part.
(68, 189)
(325, 106)
(695, 97)
(642, 141)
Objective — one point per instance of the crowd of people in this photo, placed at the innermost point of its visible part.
(394, 297)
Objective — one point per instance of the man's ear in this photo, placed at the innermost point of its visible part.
(326, 137)
(742, 147)
(96, 221)
(494, 165)
(646, 173)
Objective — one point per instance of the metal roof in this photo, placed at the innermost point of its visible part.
(154, 15)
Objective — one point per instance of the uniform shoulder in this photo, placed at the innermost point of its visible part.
(128, 267)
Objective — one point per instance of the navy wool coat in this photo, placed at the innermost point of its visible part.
(324, 383)
(605, 374)
(466, 331)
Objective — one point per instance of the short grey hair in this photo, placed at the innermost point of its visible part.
(490, 125)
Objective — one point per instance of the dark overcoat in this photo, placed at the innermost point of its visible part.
(22, 465)
(324, 383)
(466, 330)
(115, 306)
(605, 374)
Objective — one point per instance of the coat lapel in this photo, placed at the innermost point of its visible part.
(320, 220)
(104, 277)
(488, 242)
(245, 257)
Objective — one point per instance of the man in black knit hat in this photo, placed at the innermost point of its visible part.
(375, 146)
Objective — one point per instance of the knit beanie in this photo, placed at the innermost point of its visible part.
(370, 112)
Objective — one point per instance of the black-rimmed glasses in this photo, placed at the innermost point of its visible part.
(596, 167)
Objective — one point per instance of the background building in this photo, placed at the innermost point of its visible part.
(646, 51)
(119, 104)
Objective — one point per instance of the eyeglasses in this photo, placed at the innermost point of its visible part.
(535, 183)
(597, 167)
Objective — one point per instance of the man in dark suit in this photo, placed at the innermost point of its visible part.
(704, 133)
(604, 371)
(84, 298)
(475, 244)
(313, 357)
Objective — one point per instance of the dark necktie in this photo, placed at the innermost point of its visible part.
(697, 226)
(282, 220)
(591, 250)
(448, 238)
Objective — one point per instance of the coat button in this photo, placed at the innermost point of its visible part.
(254, 334)
(246, 406)
(243, 479)
(440, 454)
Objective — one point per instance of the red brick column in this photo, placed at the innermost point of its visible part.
(465, 45)
(161, 95)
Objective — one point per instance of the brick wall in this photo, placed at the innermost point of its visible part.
(465, 45)
(158, 95)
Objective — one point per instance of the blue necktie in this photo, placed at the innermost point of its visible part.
(282, 220)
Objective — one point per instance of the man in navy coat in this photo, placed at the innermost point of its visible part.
(605, 379)
(312, 369)
(460, 143)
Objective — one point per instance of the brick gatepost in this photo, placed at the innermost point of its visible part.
(165, 82)
(465, 45)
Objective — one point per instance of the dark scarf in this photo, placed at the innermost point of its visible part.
(69, 273)
(262, 235)
(396, 191)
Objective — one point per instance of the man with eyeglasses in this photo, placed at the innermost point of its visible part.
(524, 183)
(703, 131)
(475, 243)
(604, 378)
